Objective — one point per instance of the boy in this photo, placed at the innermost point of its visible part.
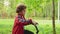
(20, 20)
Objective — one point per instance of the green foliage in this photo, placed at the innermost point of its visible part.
(35, 8)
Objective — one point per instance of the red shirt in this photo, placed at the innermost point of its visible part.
(19, 24)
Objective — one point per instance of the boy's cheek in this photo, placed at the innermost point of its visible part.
(23, 13)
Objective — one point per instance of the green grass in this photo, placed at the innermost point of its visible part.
(45, 26)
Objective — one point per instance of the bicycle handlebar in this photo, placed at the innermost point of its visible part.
(36, 29)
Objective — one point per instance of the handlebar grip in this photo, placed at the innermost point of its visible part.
(36, 29)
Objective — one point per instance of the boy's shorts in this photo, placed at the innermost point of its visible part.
(28, 32)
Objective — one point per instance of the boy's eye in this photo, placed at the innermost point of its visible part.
(24, 10)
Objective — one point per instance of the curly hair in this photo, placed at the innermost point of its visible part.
(20, 8)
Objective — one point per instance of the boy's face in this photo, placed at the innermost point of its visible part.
(23, 12)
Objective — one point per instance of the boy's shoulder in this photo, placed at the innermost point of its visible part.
(17, 17)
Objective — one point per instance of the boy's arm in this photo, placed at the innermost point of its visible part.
(25, 22)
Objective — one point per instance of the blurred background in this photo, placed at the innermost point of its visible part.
(39, 10)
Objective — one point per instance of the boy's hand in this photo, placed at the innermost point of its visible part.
(34, 23)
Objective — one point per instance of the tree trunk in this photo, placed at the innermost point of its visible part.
(53, 18)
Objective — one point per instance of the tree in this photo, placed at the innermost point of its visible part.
(54, 31)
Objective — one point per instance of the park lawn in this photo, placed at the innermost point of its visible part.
(45, 26)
